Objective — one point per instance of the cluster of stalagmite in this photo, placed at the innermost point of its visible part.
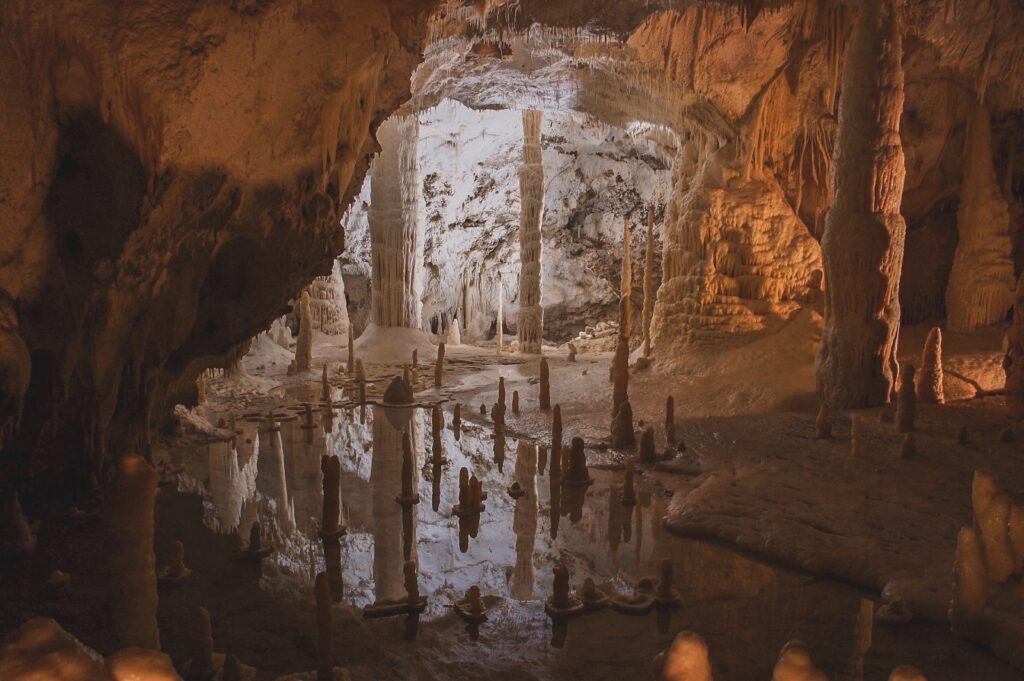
(530, 320)
(1013, 363)
(864, 236)
(980, 289)
(988, 554)
(396, 242)
(327, 303)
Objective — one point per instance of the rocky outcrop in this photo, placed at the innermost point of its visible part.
(864, 231)
(143, 233)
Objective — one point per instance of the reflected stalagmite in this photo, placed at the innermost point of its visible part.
(670, 419)
(628, 491)
(908, 450)
(436, 426)
(823, 423)
(556, 442)
(324, 629)
(545, 385)
(863, 242)
(131, 564)
(330, 524)
(457, 421)
(647, 451)
(906, 401)
(929, 381)
(524, 521)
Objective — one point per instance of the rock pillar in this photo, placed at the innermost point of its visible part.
(530, 321)
(862, 246)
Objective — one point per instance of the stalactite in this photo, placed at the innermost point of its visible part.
(862, 247)
(396, 240)
(530, 319)
(980, 289)
(648, 309)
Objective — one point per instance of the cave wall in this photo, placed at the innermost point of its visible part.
(171, 172)
(596, 177)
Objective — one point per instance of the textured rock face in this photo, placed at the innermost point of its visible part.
(864, 231)
(735, 258)
(144, 234)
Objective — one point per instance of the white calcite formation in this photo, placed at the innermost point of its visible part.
(981, 283)
(395, 225)
(530, 321)
(862, 246)
(327, 303)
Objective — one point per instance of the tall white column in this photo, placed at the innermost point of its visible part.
(396, 238)
(530, 321)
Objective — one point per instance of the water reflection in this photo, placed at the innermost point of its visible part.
(746, 610)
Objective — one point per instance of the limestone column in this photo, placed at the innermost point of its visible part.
(396, 239)
(862, 246)
(980, 289)
(530, 323)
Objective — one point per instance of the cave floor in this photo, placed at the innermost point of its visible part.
(773, 535)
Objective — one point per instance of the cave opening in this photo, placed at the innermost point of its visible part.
(543, 340)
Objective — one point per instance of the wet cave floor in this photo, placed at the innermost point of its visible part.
(746, 608)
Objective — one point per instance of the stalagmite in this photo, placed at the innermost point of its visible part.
(823, 424)
(324, 629)
(396, 234)
(454, 334)
(304, 345)
(409, 496)
(993, 523)
(577, 471)
(499, 328)
(131, 575)
(176, 570)
(980, 289)
(530, 319)
(415, 358)
(330, 468)
(328, 303)
(201, 388)
(623, 433)
(626, 282)
(685, 660)
(670, 419)
(439, 366)
(545, 385)
(970, 582)
(862, 246)
(457, 421)
(906, 401)
(1013, 363)
(665, 593)
(795, 664)
(325, 386)
(648, 309)
(515, 402)
(556, 442)
(620, 376)
(906, 673)
(929, 381)
(201, 664)
(501, 392)
(647, 451)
